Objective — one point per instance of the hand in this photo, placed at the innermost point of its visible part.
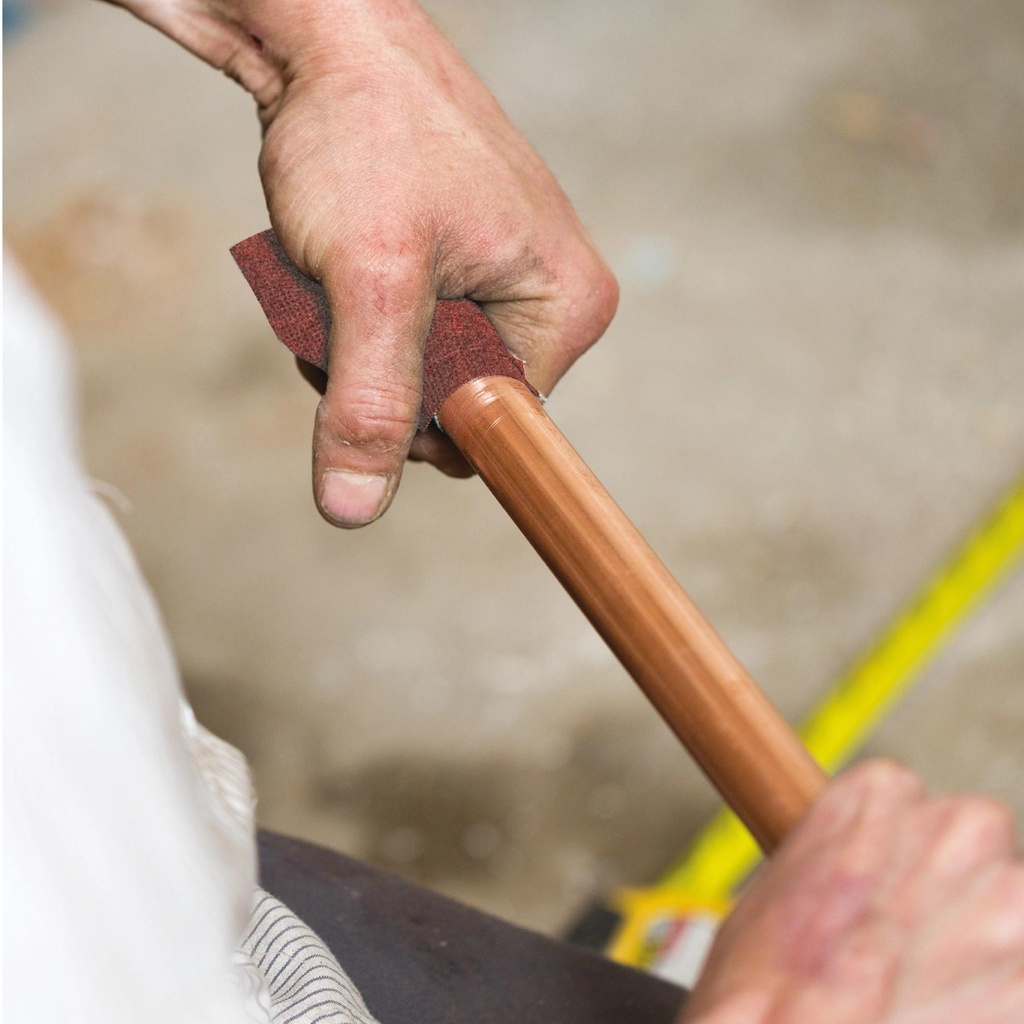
(393, 178)
(885, 905)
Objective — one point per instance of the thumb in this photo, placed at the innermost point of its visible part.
(366, 420)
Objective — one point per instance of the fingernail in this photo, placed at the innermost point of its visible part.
(352, 499)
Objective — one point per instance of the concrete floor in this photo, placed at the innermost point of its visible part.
(814, 386)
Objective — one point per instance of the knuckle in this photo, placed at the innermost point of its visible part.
(605, 291)
(589, 301)
(381, 243)
(395, 266)
(385, 284)
(380, 417)
(595, 296)
(1001, 902)
(884, 775)
(984, 817)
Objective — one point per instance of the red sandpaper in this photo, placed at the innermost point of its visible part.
(462, 344)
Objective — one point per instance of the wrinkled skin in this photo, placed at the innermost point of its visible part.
(393, 178)
(885, 905)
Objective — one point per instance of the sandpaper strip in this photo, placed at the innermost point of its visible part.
(462, 344)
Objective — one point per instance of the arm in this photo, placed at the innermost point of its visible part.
(885, 905)
(393, 177)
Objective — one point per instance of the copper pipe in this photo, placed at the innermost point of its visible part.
(736, 735)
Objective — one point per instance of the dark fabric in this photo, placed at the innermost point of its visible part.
(461, 345)
(419, 958)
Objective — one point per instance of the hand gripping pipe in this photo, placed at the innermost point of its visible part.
(481, 399)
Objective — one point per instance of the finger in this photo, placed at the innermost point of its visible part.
(989, 930)
(432, 446)
(973, 950)
(977, 830)
(853, 816)
(381, 309)
(429, 445)
(945, 843)
(821, 881)
(560, 320)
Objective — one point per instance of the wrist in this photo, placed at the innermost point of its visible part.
(299, 34)
(264, 44)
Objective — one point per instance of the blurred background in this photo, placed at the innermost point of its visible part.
(814, 387)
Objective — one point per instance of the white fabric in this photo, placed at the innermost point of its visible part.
(129, 867)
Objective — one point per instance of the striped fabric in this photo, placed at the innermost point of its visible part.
(305, 983)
